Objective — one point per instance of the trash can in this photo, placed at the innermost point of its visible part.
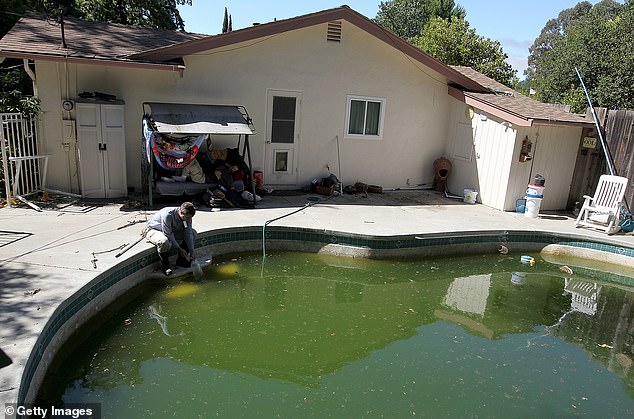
(534, 196)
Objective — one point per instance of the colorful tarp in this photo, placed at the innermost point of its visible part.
(170, 153)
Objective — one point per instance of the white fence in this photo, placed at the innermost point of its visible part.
(24, 168)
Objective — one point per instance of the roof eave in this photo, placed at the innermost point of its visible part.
(513, 118)
(94, 61)
(559, 122)
(273, 28)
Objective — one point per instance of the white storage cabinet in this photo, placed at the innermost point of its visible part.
(101, 148)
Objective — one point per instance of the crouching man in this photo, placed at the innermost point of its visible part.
(172, 227)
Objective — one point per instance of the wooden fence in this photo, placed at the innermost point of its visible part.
(617, 127)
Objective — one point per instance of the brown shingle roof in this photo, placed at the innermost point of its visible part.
(515, 103)
(34, 37)
(37, 36)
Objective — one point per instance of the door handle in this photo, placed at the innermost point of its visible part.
(102, 147)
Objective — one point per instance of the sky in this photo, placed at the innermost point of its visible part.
(515, 24)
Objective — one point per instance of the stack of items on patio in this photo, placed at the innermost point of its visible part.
(220, 177)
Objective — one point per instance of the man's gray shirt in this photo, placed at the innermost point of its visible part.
(167, 221)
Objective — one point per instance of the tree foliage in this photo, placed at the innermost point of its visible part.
(453, 42)
(597, 40)
(439, 28)
(158, 14)
(226, 22)
(406, 18)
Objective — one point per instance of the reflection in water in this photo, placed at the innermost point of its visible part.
(584, 295)
(469, 294)
(154, 312)
(307, 334)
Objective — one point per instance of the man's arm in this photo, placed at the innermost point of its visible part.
(166, 226)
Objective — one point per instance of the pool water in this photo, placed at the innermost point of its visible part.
(313, 335)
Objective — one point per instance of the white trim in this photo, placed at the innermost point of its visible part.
(349, 99)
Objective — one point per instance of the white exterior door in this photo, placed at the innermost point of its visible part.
(89, 144)
(113, 151)
(282, 138)
(101, 147)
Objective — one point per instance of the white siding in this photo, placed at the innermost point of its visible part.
(495, 170)
(554, 156)
(488, 170)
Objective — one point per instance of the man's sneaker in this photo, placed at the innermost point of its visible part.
(167, 271)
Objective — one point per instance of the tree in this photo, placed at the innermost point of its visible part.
(226, 23)
(554, 31)
(158, 14)
(453, 42)
(595, 40)
(406, 18)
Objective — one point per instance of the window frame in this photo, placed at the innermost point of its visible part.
(366, 99)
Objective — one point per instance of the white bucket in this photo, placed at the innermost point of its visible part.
(535, 190)
(532, 207)
(197, 266)
(197, 270)
(470, 196)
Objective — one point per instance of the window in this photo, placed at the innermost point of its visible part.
(364, 117)
(283, 120)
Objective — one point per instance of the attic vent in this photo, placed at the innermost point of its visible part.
(334, 31)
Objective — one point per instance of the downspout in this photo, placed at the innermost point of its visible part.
(31, 74)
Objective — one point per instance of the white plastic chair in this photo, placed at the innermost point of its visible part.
(601, 211)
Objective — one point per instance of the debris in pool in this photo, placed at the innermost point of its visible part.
(32, 292)
(503, 249)
(229, 269)
(127, 322)
(154, 313)
(624, 360)
(182, 290)
(528, 260)
(603, 345)
(566, 269)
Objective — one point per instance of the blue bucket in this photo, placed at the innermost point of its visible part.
(520, 205)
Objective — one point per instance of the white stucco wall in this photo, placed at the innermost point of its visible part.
(415, 125)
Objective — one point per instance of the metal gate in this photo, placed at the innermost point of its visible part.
(21, 162)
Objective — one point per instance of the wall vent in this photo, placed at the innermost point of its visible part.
(334, 31)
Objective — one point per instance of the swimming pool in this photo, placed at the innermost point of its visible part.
(109, 286)
(314, 334)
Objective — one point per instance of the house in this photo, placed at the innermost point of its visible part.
(328, 92)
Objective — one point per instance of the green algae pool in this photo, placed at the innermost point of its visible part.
(310, 335)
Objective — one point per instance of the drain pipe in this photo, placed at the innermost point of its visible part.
(31, 74)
